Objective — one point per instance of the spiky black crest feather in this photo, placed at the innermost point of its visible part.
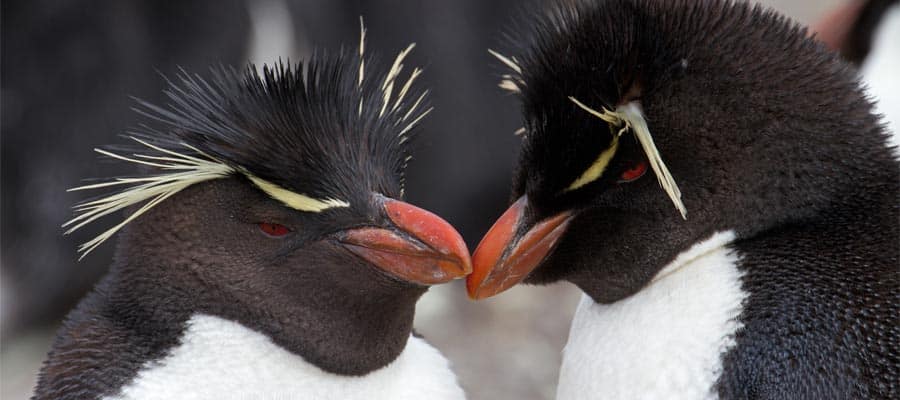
(298, 126)
(315, 135)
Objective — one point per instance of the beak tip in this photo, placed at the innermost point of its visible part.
(457, 267)
(453, 258)
(467, 267)
(504, 258)
(475, 288)
(471, 291)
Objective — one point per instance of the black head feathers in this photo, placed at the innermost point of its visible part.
(747, 123)
(691, 68)
(315, 135)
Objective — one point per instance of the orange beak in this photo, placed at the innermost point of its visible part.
(423, 249)
(504, 258)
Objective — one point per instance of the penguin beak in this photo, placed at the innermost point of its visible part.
(419, 247)
(505, 256)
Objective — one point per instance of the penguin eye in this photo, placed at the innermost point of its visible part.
(634, 173)
(273, 230)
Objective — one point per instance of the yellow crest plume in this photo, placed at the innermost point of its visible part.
(181, 172)
(630, 116)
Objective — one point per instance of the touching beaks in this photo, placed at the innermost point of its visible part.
(504, 257)
(420, 247)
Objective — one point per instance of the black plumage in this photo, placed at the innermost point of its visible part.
(765, 132)
(299, 126)
(314, 281)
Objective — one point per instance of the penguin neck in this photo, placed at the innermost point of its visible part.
(597, 285)
(667, 340)
(338, 333)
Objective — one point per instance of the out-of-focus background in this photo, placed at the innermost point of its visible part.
(69, 67)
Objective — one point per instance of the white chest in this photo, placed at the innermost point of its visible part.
(666, 341)
(221, 359)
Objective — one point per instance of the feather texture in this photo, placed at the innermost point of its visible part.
(630, 117)
(315, 136)
(183, 171)
(511, 82)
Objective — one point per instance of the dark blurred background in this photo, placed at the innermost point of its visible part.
(69, 68)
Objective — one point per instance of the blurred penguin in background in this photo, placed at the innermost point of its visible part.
(865, 33)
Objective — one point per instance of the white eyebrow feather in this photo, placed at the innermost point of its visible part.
(189, 170)
(631, 113)
(362, 51)
(414, 106)
(362, 60)
(412, 78)
(390, 105)
(181, 172)
(597, 168)
(511, 63)
(509, 82)
(509, 85)
(631, 116)
(297, 201)
(388, 87)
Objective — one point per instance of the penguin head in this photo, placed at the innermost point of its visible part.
(274, 198)
(651, 125)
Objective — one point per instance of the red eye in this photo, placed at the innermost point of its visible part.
(633, 173)
(274, 230)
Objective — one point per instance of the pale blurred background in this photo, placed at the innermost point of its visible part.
(69, 67)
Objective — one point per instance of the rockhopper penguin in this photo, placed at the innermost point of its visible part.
(775, 275)
(266, 254)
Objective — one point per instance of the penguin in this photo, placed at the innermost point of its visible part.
(716, 184)
(266, 252)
